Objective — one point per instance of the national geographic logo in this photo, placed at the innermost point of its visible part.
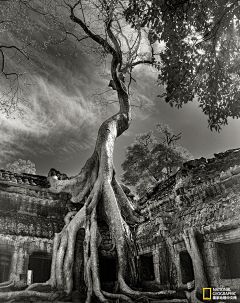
(207, 293)
(219, 293)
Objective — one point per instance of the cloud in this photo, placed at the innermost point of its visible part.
(56, 124)
(63, 118)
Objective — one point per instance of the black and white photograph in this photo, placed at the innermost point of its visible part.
(119, 151)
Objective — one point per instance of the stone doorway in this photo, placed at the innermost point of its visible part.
(146, 267)
(229, 260)
(5, 262)
(186, 267)
(40, 264)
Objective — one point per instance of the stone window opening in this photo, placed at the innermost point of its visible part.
(186, 267)
(40, 264)
(146, 268)
(5, 262)
(229, 260)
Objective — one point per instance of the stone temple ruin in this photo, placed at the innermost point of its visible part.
(203, 195)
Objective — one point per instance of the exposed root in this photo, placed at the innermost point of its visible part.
(153, 295)
(120, 297)
(61, 280)
(79, 186)
(63, 256)
(125, 247)
(120, 231)
(56, 241)
(198, 267)
(87, 262)
(125, 205)
(69, 216)
(95, 183)
(28, 295)
(7, 284)
(65, 252)
(94, 258)
(51, 283)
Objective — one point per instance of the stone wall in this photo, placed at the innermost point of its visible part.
(29, 216)
(203, 195)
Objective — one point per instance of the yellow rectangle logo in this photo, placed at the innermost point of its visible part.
(207, 293)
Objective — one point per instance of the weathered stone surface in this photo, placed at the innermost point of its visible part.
(29, 216)
(30, 211)
(204, 195)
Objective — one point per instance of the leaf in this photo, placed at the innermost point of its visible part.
(22, 166)
(149, 160)
(200, 54)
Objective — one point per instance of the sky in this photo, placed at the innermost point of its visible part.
(60, 128)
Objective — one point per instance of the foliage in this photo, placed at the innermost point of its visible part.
(149, 160)
(30, 31)
(200, 57)
(16, 50)
(22, 166)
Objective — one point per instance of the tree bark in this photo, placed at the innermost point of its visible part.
(200, 280)
(96, 184)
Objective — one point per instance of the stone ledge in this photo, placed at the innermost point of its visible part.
(23, 179)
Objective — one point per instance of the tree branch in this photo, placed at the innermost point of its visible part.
(209, 35)
(95, 37)
(78, 39)
(131, 65)
(16, 48)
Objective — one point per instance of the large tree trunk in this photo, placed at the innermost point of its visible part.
(95, 184)
(200, 280)
(97, 188)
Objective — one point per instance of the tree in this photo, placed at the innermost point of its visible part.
(22, 166)
(149, 161)
(102, 23)
(22, 39)
(15, 53)
(200, 57)
(96, 185)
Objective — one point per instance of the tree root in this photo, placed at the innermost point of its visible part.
(163, 294)
(121, 297)
(61, 281)
(99, 189)
(125, 205)
(6, 285)
(28, 295)
(200, 280)
(79, 186)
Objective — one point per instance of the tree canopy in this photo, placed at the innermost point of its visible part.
(22, 166)
(200, 56)
(192, 44)
(149, 160)
(31, 29)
